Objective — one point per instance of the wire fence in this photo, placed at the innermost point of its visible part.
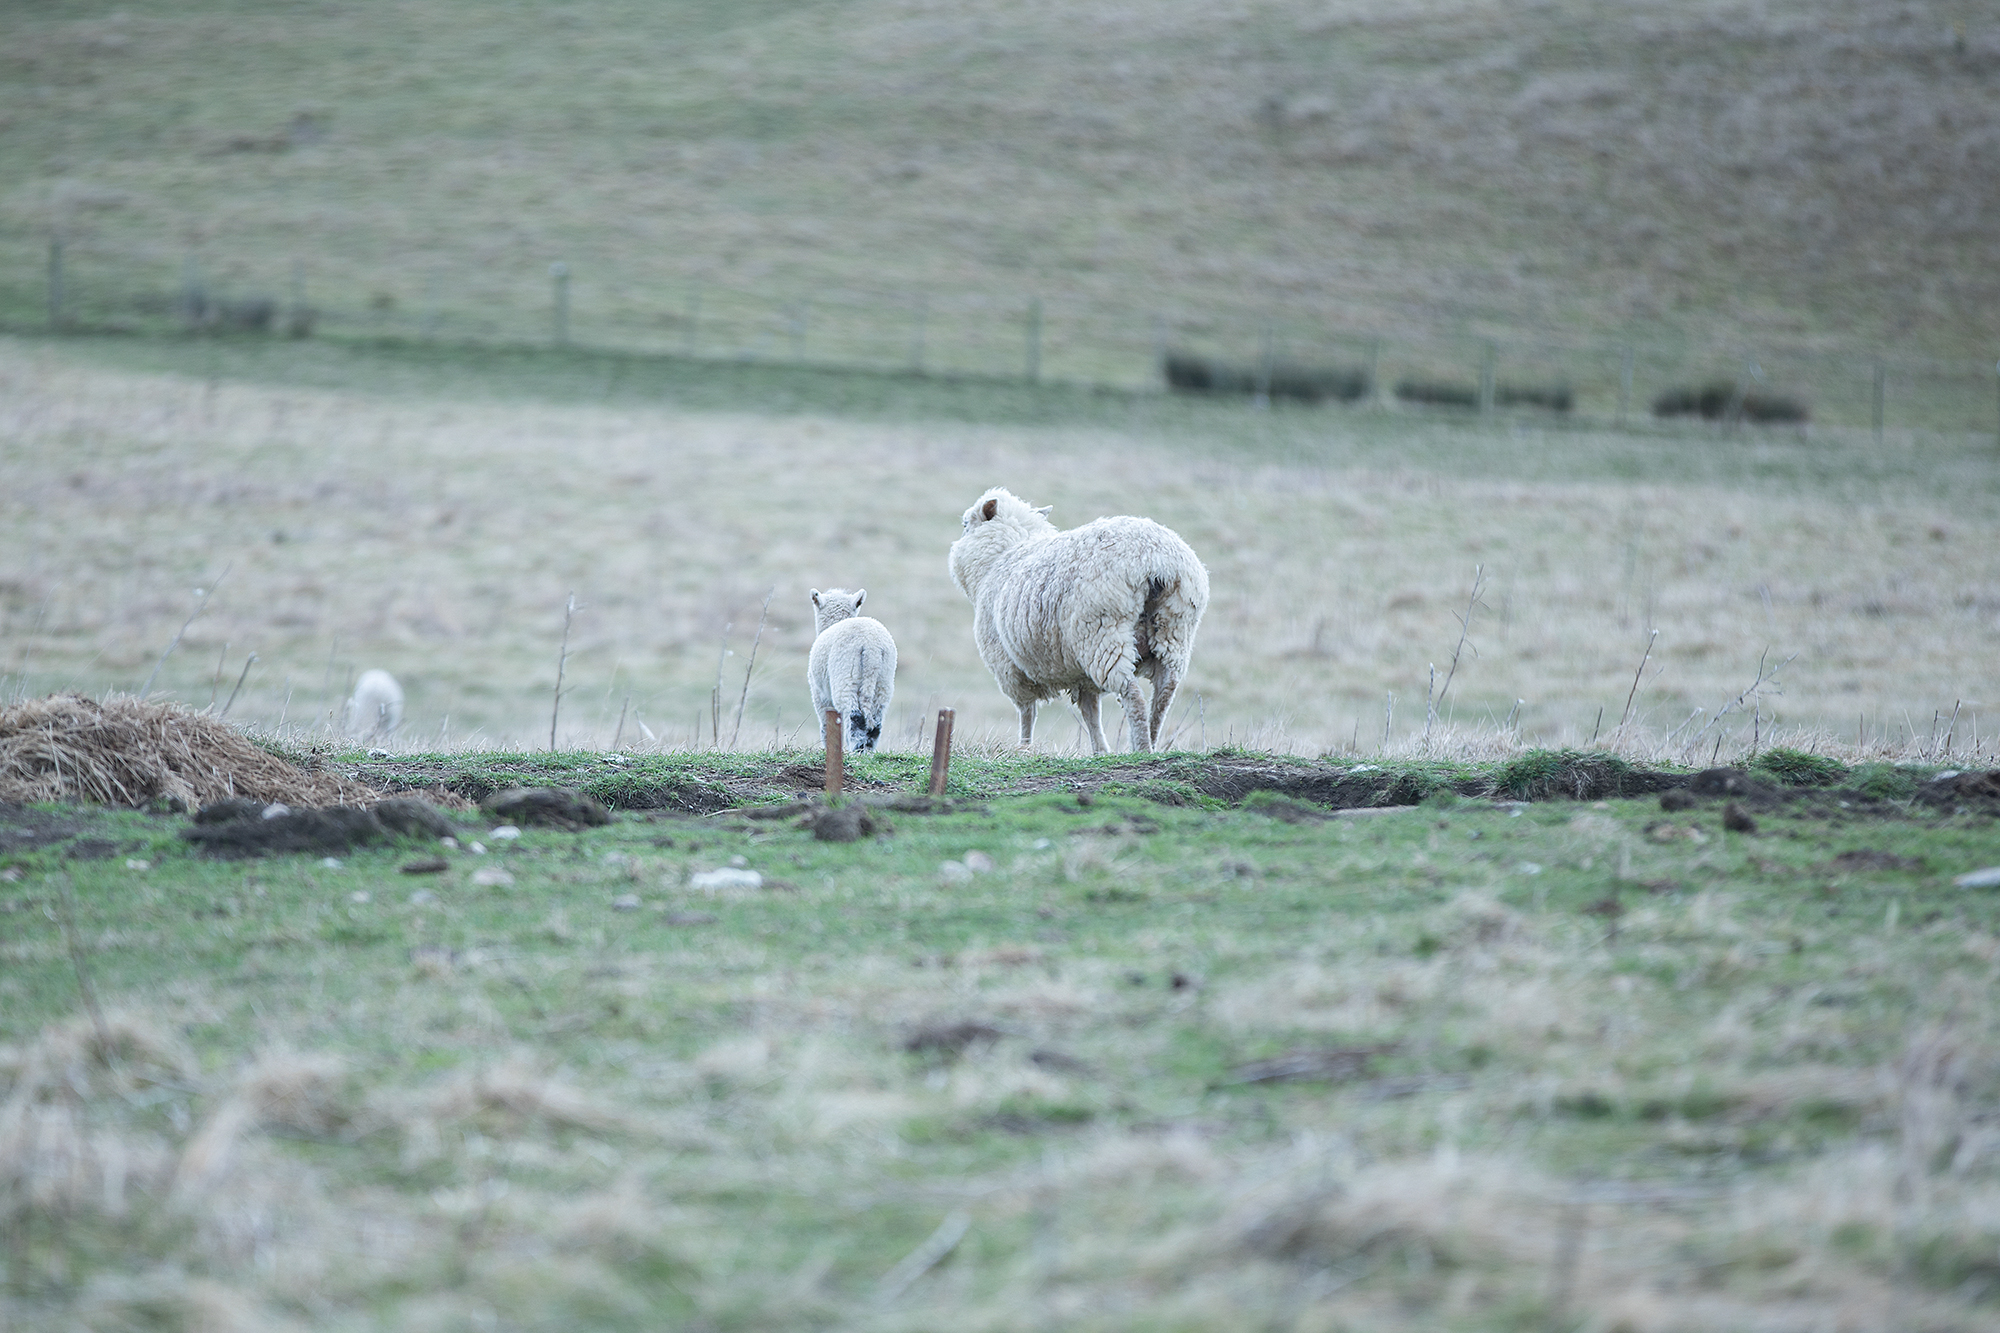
(82, 286)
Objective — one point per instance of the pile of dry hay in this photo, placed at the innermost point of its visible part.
(126, 751)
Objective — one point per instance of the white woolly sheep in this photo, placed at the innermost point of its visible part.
(375, 709)
(1086, 611)
(852, 668)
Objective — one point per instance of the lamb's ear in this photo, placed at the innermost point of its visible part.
(1044, 510)
(815, 593)
(989, 509)
(860, 596)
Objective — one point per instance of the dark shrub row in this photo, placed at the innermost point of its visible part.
(1717, 400)
(1553, 397)
(1311, 384)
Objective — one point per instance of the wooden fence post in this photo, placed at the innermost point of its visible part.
(830, 724)
(1624, 385)
(559, 272)
(941, 750)
(1034, 351)
(57, 316)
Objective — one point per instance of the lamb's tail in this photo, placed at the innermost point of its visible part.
(860, 735)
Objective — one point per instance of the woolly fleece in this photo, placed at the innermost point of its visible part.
(1083, 612)
(852, 667)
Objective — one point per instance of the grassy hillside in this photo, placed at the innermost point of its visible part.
(1068, 1060)
(1694, 180)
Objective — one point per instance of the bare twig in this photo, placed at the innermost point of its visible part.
(202, 605)
(619, 734)
(562, 662)
(924, 1258)
(744, 698)
(248, 662)
(1633, 694)
(1764, 676)
(1464, 629)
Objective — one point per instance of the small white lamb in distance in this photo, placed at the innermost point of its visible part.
(375, 709)
(852, 668)
(1085, 612)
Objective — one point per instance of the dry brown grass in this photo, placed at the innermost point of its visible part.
(131, 752)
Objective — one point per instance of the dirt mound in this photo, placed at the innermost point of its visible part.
(130, 752)
(555, 807)
(239, 827)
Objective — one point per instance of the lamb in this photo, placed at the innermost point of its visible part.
(1085, 612)
(375, 709)
(852, 668)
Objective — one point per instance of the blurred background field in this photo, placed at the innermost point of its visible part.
(430, 511)
(1613, 202)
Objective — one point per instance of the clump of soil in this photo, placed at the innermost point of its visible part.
(240, 827)
(845, 823)
(556, 807)
(131, 752)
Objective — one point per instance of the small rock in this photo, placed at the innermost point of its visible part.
(1989, 878)
(979, 863)
(329, 862)
(429, 865)
(492, 877)
(625, 902)
(1737, 820)
(739, 861)
(1042, 844)
(505, 833)
(448, 841)
(1677, 799)
(276, 810)
(422, 897)
(10, 875)
(378, 754)
(717, 881)
(954, 872)
(361, 896)
(136, 864)
(1529, 868)
(479, 848)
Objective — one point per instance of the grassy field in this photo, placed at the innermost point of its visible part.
(429, 511)
(1694, 183)
(1087, 1051)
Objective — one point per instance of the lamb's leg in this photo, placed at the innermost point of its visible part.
(1027, 723)
(1086, 705)
(1164, 685)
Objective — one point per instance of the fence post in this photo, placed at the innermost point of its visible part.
(1033, 366)
(917, 334)
(56, 316)
(559, 273)
(1624, 385)
(1486, 378)
(1881, 374)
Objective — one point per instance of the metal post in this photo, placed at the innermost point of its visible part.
(1624, 385)
(1881, 374)
(917, 334)
(559, 272)
(1486, 378)
(57, 316)
(1033, 367)
(830, 725)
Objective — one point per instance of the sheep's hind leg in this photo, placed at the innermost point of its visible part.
(1027, 723)
(1135, 715)
(1086, 706)
(1164, 685)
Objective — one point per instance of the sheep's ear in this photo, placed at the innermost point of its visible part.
(1044, 510)
(860, 597)
(989, 509)
(815, 593)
